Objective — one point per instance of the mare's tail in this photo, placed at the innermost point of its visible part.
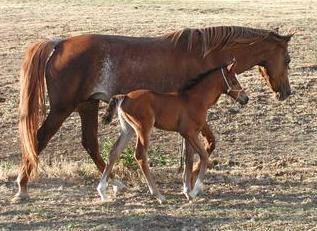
(32, 104)
(112, 106)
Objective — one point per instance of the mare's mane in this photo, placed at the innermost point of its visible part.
(217, 38)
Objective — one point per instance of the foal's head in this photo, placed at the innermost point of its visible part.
(232, 85)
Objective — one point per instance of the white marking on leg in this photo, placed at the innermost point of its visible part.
(197, 188)
(101, 188)
(117, 186)
(20, 195)
(186, 191)
(161, 198)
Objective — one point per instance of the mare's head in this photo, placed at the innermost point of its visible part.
(274, 69)
(232, 85)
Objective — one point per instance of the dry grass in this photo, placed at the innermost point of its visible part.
(266, 176)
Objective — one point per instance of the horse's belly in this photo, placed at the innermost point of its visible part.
(167, 122)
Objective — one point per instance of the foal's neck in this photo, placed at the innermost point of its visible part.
(208, 90)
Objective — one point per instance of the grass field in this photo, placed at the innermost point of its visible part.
(266, 176)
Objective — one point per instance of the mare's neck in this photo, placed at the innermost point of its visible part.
(247, 56)
(207, 91)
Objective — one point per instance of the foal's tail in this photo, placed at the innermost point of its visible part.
(32, 101)
(112, 106)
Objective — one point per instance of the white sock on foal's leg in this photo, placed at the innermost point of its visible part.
(117, 186)
(101, 188)
(197, 188)
(161, 198)
(186, 191)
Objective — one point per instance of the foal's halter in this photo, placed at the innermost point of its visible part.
(229, 89)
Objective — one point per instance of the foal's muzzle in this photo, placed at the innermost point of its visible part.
(243, 99)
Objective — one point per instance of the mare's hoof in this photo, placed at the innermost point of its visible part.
(20, 197)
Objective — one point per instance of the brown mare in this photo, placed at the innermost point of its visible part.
(80, 71)
(184, 111)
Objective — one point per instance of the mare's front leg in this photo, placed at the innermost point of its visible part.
(141, 157)
(198, 147)
(117, 148)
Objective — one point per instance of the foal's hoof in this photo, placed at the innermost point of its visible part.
(187, 195)
(194, 193)
(20, 197)
(105, 198)
(118, 186)
(161, 199)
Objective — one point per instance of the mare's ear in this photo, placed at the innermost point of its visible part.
(232, 66)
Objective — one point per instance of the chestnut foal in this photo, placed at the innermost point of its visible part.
(184, 111)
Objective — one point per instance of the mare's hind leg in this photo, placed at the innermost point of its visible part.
(209, 147)
(88, 112)
(50, 126)
(120, 144)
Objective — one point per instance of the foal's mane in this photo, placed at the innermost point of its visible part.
(217, 38)
(193, 82)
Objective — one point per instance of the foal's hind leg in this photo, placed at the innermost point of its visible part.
(120, 144)
(141, 157)
(50, 126)
(88, 112)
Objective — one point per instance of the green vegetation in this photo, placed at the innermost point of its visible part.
(156, 157)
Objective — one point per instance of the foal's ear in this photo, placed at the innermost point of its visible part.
(288, 37)
(232, 66)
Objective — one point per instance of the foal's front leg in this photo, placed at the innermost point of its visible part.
(210, 145)
(198, 147)
(187, 174)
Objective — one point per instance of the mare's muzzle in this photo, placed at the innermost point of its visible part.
(283, 94)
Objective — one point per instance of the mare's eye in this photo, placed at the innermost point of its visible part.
(287, 60)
